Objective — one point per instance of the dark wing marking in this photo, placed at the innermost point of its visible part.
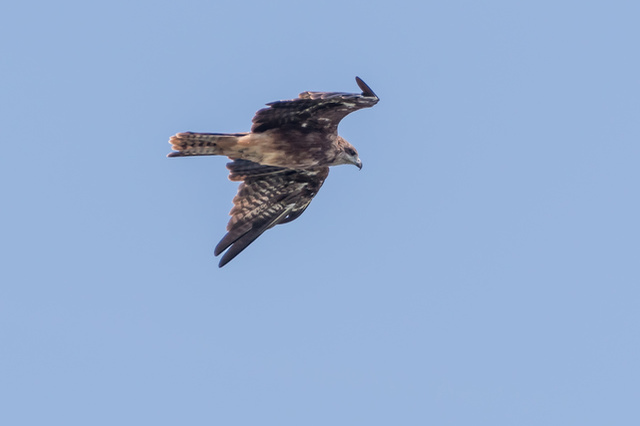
(268, 196)
(313, 110)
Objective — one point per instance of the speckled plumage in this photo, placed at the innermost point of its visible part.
(282, 162)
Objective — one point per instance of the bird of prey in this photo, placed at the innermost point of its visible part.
(282, 162)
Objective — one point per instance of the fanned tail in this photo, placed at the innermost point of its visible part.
(189, 144)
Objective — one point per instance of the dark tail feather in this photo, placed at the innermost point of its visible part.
(188, 143)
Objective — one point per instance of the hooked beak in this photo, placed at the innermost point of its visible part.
(359, 164)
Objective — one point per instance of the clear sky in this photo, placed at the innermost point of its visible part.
(482, 268)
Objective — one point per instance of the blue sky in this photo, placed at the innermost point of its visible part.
(481, 269)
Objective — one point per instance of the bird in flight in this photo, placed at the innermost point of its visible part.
(282, 162)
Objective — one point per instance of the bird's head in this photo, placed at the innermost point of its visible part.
(347, 154)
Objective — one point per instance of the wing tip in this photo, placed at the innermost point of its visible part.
(224, 244)
(219, 250)
(222, 262)
(233, 248)
(366, 90)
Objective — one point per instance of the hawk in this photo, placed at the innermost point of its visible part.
(282, 162)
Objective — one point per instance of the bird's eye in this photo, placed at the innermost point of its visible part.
(350, 151)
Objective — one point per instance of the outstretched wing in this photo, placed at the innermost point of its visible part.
(313, 110)
(268, 196)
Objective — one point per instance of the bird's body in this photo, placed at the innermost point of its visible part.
(288, 148)
(282, 162)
